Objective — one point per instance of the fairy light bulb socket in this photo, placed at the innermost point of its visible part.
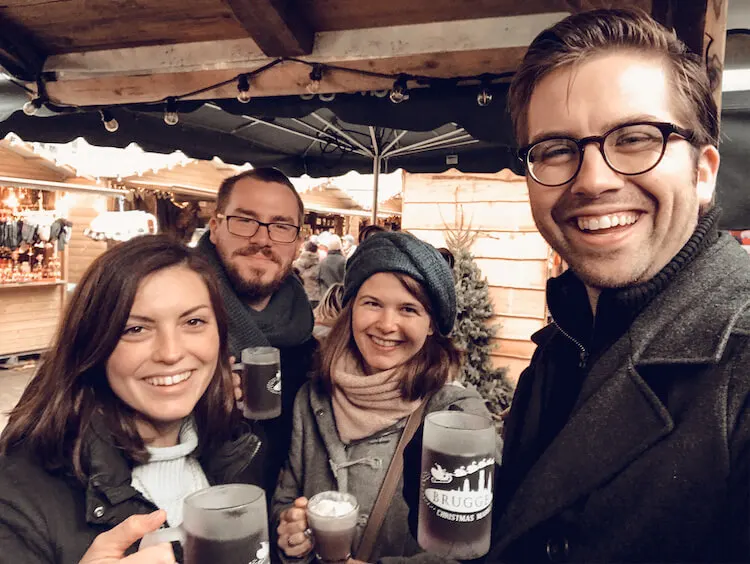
(171, 117)
(109, 121)
(316, 75)
(32, 106)
(484, 97)
(243, 89)
(400, 91)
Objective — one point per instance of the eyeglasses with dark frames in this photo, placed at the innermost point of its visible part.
(242, 226)
(628, 149)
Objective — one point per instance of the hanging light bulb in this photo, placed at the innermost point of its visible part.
(484, 96)
(316, 75)
(243, 89)
(11, 201)
(109, 121)
(171, 117)
(400, 90)
(32, 106)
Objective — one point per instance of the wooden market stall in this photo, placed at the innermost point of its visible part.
(509, 250)
(55, 206)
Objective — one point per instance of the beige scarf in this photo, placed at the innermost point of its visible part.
(364, 405)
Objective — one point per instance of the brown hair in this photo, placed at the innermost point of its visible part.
(369, 231)
(433, 366)
(71, 385)
(264, 174)
(582, 36)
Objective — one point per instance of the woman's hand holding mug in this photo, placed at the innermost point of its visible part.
(109, 547)
(294, 537)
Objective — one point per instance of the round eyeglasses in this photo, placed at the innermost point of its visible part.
(241, 226)
(629, 149)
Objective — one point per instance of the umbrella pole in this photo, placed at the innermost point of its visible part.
(375, 181)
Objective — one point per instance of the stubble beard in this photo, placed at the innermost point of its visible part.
(252, 289)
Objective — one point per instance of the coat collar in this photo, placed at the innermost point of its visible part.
(617, 415)
(691, 322)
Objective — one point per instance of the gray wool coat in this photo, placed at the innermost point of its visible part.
(319, 461)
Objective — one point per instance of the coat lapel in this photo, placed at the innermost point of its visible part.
(616, 418)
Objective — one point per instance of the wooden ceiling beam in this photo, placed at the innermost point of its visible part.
(146, 74)
(278, 27)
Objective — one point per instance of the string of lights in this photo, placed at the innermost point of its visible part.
(398, 93)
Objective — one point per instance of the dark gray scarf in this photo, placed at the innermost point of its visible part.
(287, 320)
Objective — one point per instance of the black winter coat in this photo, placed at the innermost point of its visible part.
(51, 518)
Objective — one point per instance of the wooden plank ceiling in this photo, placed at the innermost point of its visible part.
(108, 52)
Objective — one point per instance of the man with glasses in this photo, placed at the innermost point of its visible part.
(628, 438)
(252, 241)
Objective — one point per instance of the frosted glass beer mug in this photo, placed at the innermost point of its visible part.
(455, 494)
(261, 382)
(222, 524)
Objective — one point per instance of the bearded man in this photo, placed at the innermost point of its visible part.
(252, 242)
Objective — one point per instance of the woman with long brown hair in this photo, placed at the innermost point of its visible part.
(387, 357)
(131, 410)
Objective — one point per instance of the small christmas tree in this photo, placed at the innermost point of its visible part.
(473, 333)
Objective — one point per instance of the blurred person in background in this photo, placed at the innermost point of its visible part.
(348, 245)
(332, 267)
(328, 310)
(308, 269)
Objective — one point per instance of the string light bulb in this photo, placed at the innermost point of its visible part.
(243, 89)
(316, 75)
(109, 121)
(484, 96)
(400, 91)
(171, 117)
(32, 106)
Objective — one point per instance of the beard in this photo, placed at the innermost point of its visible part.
(252, 288)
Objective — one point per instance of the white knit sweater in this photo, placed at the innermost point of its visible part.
(171, 474)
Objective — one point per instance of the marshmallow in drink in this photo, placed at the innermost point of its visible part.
(332, 516)
(333, 508)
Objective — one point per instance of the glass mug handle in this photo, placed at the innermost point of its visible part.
(246, 413)
(159, 536)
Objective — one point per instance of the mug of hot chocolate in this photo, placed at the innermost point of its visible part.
(332, 518)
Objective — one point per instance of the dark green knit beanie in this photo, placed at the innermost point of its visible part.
(398, 251)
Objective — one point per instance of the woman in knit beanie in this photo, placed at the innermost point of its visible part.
(388, 352)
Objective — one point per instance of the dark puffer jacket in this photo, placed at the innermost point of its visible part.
(52, 518)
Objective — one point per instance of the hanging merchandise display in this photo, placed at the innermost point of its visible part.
(121, 225)
(31, 238)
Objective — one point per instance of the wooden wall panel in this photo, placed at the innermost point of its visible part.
(513, 348)
(509, 250)
(30, 316)
(511, 245)
(519, 301)
(82, 251)
(514, 273)
(517, 328)
(487, 216)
